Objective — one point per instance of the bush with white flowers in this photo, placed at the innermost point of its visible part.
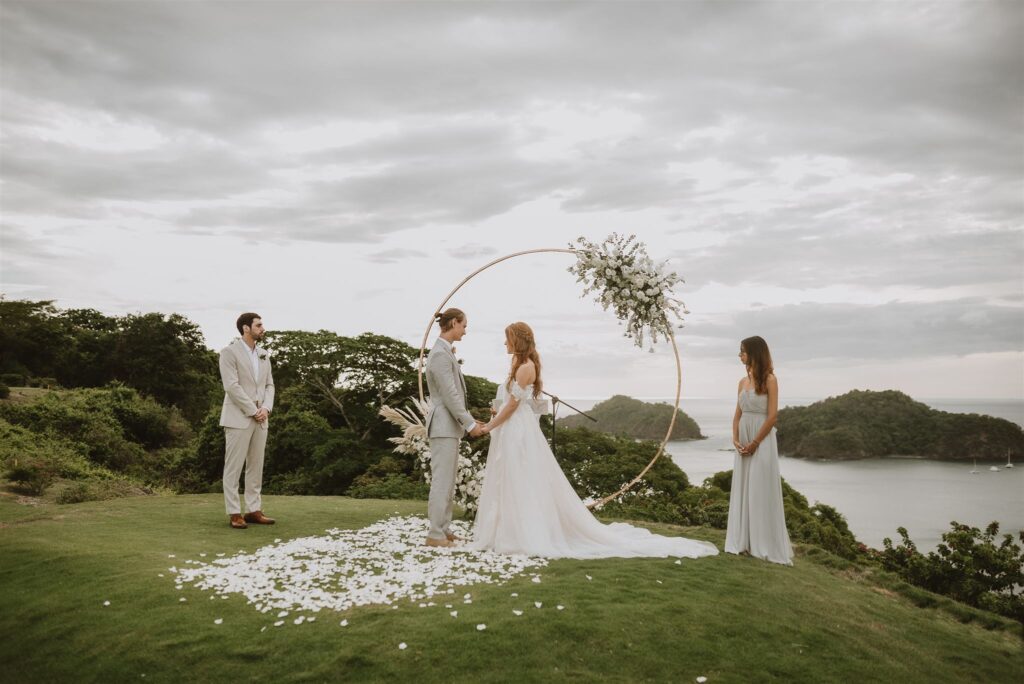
(469, 477)
(638, 290)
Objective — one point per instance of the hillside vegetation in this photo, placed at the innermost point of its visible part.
(622, 415)
(865, 424)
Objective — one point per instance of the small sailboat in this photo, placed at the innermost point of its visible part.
(974, 470)
(994, 469)
(1008, 464)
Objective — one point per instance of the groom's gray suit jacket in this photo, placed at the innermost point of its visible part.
(449, 415)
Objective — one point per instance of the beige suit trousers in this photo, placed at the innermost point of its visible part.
(244, 447)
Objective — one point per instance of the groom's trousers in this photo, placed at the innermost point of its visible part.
(244, 447)
(444, 459)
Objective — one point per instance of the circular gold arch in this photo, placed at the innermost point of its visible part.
(671, 338)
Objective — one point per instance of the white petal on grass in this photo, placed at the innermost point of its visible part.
(589, 578)
(379, 564)
(311, 619)
(538, 604)
(536, 580)
(279, 623)
(106, 603)
(701, 680)
(402, 646)
(481, 627)
(182, 600)
(283, 613)
(679, 562)
(263, 628)
(454, 613)
(560, 607)
(517, 613)
(515, 595)
(218, 621)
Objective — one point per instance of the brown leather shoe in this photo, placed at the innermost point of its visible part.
(257, 518)
(438, 542)
(237, 521)
(453, 537)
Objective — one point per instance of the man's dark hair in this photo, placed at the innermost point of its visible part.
(246, 319)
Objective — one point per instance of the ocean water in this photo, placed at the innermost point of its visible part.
(875, 495)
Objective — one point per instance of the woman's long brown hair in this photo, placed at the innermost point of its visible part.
(759, 362)
(520, 337)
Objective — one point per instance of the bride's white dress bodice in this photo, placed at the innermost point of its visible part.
(527, 505)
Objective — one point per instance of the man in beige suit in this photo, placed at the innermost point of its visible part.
(245, 417)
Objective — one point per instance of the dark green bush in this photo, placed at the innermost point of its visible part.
(12, 379)
(968, 565)
(5, 391)
(32, 475)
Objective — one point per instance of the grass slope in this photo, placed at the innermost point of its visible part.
(729, 618)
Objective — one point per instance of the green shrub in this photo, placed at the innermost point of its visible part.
(92, 418)
(5, 391)
(99, 490)
(67, 458)
(32, 475)
(392, 477)
(968, 566)
(12, 379)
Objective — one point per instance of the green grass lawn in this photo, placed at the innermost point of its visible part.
(728, 618)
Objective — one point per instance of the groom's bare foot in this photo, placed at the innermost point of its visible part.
(439, 542)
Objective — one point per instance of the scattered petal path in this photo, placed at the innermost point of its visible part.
(379, 564)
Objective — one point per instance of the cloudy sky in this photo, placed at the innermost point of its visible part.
(845, 179)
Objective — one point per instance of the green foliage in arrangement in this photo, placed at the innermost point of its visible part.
(5, 391)
(865, 424)
(630, 417)
(970, 565)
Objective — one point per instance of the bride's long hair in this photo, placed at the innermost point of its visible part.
(520, 338)
(759, 362)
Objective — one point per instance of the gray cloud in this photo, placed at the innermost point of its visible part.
(391, 256)
(472, 251)
(895, 330)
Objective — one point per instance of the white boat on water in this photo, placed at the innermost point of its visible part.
(994, 469)
(1008, 464)
(974, 471)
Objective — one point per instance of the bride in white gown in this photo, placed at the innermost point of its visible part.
(527, 505)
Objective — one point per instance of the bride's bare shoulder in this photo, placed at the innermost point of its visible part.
(526, 373)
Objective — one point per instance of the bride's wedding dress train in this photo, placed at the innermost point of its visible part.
(527, 505)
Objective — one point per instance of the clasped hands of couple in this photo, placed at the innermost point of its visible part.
(482, 428)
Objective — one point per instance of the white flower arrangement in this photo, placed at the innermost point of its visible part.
(469, 478)
(625, 278)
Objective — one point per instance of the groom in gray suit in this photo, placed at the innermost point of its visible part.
(245, 417)
(448, 421)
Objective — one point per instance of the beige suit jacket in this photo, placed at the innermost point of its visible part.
(244, 394)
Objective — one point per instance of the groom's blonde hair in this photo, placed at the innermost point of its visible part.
(448, 318)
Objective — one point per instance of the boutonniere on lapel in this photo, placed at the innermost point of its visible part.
(457, 359)
(460, 361)
(263, 356)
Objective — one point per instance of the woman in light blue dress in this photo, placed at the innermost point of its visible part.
(757, 521)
